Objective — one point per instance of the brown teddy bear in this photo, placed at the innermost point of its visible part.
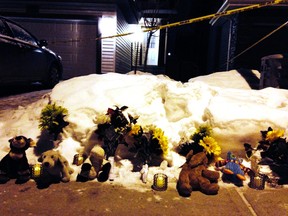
(55, 168)
(15, 163)
(195, 176)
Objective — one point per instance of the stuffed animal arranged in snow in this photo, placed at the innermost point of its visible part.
(100, 148)
(55, 168)
(94, 165)
(15, 164)
(195, 176)
(233, 169)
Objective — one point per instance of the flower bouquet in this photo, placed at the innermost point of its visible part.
(148, 142)
(112, 127)
(273, 151)
(202, 140)
(52, 119)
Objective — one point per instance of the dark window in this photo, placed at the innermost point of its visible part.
(3, 29)
(21, 34)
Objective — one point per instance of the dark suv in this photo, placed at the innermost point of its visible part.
(25, 59)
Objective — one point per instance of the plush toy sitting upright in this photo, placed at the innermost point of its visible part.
(55, 168)
(94, 165)
(15, 164)
(195, 176)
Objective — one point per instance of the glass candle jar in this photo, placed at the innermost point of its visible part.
(160, 182)
(36, 170)
(258, 181)
(78, 159)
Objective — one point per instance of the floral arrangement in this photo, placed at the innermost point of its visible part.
(112, 127)
(202, 140)
(274, 146)
(273, 150)
(149, 141)
(52, 119)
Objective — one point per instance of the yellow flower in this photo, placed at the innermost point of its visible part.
(204, 130)
(135, 130)
(164, 145)
(102, 119)
(273, 135)
(210, 146)
(158, 133)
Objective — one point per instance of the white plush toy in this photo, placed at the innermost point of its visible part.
(55, 168)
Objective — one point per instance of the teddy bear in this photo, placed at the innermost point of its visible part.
(15, 164)
(194, 175)
(55, 168)
(94, 165)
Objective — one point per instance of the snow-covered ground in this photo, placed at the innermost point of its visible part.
(236, 113)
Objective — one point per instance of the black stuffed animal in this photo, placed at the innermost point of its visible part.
(15, 164)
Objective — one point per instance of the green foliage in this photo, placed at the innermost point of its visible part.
(52, 119)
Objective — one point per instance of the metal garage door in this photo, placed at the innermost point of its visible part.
(79, 57)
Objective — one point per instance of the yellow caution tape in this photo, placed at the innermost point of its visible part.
(216, 15)
(207, 17)
(194, 20)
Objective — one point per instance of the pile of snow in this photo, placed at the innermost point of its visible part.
(236, 113)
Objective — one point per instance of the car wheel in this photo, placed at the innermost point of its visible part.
(53, 76)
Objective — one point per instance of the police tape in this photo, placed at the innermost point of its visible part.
(206, 17)
(190, 21)
(216, 15)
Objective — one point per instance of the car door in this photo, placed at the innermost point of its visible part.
(8, 54)
(32, 60)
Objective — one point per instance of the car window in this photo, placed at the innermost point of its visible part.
(21, 34)
(3, 29)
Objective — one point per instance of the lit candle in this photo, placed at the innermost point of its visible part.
(36, 170)
(257, 182)
(78, 159)
(160, 182)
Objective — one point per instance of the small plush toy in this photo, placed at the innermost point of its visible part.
(15, 163)
(94, 165)
(233, 170)
(55, 168)
(195, 176)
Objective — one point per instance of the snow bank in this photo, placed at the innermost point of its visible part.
(236, 114)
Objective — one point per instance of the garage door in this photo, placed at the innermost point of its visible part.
(79, 57)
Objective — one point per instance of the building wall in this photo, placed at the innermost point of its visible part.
(253, 26)
(123, 46)
(222, 44)
(188, 44)
(107, 29)
(241, 40)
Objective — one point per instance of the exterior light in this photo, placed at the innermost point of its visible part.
(107, 25)
(137, 35)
